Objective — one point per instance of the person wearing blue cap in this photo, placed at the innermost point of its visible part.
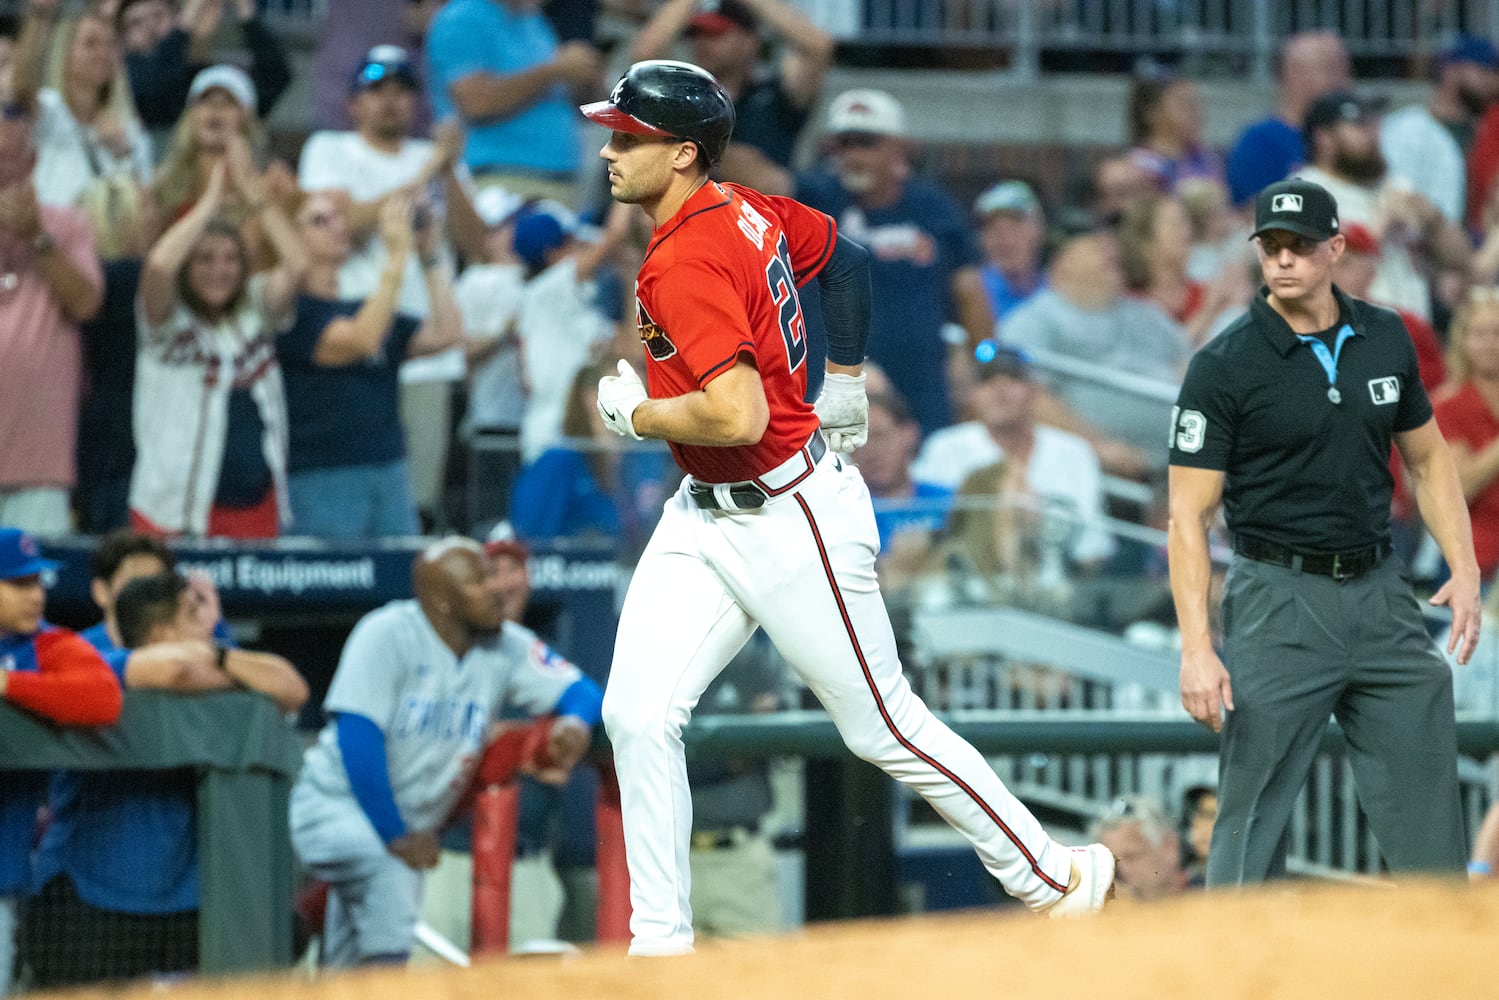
(53, 673)
(1427, 144)
(561, 323)
(379, 160)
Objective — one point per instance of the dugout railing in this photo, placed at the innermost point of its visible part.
(245, 756)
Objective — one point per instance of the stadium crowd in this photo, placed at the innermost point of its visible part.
(378, 328)
(396, 325)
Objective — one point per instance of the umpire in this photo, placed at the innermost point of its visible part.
(1287, 417)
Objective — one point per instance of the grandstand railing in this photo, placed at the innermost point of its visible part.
(1010, 661)
(1238, 33)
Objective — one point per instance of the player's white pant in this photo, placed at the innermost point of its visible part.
(802, 568)
(373, 897)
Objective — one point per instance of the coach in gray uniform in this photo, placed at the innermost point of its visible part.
(412, 701)
(1287, 417)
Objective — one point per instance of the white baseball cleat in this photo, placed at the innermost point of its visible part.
(1092, 883)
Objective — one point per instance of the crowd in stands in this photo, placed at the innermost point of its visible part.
(204, 339)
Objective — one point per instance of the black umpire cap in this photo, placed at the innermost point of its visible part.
(1301, 207)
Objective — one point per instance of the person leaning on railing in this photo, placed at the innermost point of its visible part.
(53, 673)
(116, 877)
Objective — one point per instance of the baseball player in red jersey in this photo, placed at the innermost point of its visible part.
(771, 528)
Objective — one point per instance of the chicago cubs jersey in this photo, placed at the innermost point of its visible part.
(719, 282)
(433, 707)
(57, 675)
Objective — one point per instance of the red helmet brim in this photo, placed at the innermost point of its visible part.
(611, 117)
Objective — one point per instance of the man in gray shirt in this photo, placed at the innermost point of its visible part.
(1084, 316)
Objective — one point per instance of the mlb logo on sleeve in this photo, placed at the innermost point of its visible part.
(1384, 390)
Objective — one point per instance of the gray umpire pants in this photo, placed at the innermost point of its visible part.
(1299, 648)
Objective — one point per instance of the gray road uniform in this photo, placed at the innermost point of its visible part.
(433, 710)
(1318, 618)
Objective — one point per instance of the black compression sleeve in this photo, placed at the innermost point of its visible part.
(844, 283)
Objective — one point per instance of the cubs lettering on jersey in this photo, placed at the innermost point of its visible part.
(433, 707)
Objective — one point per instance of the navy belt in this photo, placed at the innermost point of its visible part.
(1338, 565)
(752, 494)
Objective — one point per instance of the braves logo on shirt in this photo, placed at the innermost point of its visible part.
(652, 335)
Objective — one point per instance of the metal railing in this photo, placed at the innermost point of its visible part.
(988, 659)
(1239, 34)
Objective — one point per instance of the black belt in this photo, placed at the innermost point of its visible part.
(748, 495)
(1338, 565)
(720, 839)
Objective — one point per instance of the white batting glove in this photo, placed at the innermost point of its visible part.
(844, 411)
(618, 397)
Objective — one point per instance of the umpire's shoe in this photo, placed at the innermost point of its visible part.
(1092, 883)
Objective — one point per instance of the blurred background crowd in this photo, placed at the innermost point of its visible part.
(380, 310)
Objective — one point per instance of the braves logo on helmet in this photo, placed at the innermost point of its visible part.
(652, 335)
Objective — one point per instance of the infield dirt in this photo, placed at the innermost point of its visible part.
(1416, 941)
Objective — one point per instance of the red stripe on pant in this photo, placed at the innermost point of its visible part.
(890, 723)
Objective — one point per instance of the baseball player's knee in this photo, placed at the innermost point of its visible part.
(870, 744)
(627, 721)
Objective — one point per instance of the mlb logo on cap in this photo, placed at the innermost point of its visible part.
(1299, 207)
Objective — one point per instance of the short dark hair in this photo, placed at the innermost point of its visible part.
(146, 602)
(117, 546)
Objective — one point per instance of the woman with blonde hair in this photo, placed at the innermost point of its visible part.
(220, 124)
(1467, 411)
(92, 151)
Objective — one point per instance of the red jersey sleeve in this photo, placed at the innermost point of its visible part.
(71, 685)
(810, 235)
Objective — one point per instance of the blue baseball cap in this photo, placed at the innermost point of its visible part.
(385, 62)
(541, 228)
(1472, 49)
(20, 556)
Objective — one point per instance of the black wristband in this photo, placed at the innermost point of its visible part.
(221, 653)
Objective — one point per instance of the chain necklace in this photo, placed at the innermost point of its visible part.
(14, 259)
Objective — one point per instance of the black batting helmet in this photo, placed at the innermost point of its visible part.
(668, 98)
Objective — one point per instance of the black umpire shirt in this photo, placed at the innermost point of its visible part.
(1302, 470)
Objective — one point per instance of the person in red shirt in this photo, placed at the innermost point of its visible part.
(1468, 414)
(772, 528)
(50, 672)
(1354, 273)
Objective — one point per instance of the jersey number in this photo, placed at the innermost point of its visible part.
(788, 304)
(1187, 429)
